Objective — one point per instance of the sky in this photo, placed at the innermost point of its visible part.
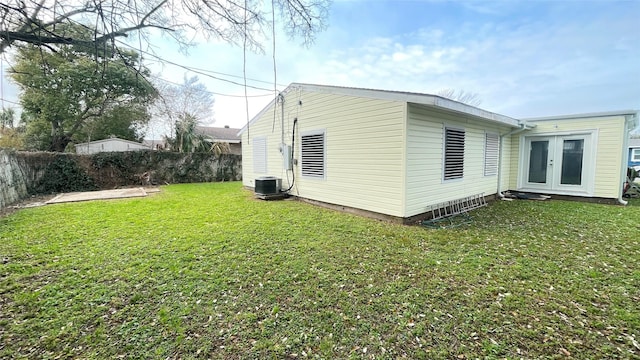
(523, 58)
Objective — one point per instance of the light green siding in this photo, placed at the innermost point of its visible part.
(514, 163)
(609, 131)
(506, 162)
(364, 152)
(425, 134)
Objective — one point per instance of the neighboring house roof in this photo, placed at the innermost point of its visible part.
(111, 140)
(634, 143)
(221, 134)
(409, 97)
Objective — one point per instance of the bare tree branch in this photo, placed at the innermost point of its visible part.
(37, 21)
(462, 96)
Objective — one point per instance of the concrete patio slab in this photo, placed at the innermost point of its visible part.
(101, 195)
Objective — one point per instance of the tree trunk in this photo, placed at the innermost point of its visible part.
(59, 143)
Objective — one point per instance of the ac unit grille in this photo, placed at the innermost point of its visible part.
(267, 185)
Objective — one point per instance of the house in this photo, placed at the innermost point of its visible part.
(634, 154)
(155, 144)
(223, 134)
(394, 155)
(107, 145)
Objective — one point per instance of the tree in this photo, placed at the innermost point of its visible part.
(462, 96)
(175, 103)
(187, 139)
(11, 138)
(38, 22)
(180, 108)
(10, 135)
(7, 118)
(63, 90)
(123, 121)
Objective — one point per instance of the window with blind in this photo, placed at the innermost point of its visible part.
(313, 155)
(453, 153)
(260, 155)
(491, 153)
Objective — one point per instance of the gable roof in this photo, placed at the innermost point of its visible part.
(403, 96)
(222, 134)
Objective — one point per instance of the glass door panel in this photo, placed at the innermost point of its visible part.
(538, 159)
(572, 156)
(557, 163)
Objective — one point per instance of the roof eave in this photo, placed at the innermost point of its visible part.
(408, 97)
(585, 115)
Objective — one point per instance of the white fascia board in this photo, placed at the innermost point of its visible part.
(585, 115)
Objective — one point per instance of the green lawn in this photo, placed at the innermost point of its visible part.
(205, 271)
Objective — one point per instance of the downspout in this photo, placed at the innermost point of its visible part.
(281, 119)
(523, 126)
(629, 124)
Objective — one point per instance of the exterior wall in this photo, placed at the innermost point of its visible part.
(514, 162)
(610, 132)
(425, 151)
(507, 161)
(108, 146)
(364, 152)
(13, 185)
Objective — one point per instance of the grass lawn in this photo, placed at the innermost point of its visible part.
(205, 271)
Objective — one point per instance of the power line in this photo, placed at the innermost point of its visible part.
(235, 76)
(166, 81)
(207, 91)
(15, 103)
(195, 70)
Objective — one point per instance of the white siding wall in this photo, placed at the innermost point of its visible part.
(506, 161)
(609, 151)
(364, 149)
(109, 145)
(269, 129)
(514, 162)
(425, 186)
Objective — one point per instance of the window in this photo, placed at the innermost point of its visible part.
(260, 155)
(635, 154)
(312, 145)
(491, 150)
(453, 153)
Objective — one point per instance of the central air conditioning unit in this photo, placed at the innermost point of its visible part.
(268, 187)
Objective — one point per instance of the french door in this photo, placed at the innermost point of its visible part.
(558, 163)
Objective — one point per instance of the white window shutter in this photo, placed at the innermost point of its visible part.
(260, 155)
(491, 153)
(313, 154)
(454, 154)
